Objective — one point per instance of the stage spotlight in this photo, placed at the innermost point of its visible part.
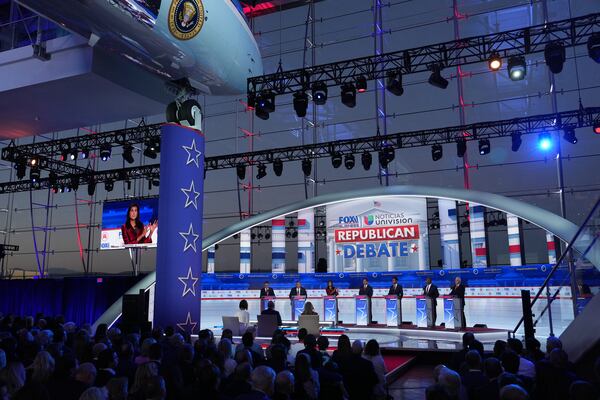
(108, 186)
(34, 174)
(593, 46)
(436, 79)
(75, 182)
(361, 84)
(484, 147)
(569, 135)
(495, 61)
(155, 144)
(105, 152)
(437, 152)
(85, 154)
(241, 171)
(73, 155)
(517, 68)
(336, 159)
(394, 83)
(300, 103)
(262, 171)
(306, 166)
(288, 234)
(128, 153)
(294, 234)
(266, 101)
(64, 155)
(34, 162)
(52, 178)
(253, 236)
(597, 128)
(319, 93)
(150, 150)
(91, 188)
(349, 161)
(21, 168)
(267, 236)
(555, 56)
(544, 141)
(54, 189)
(461, 147)
(366, 159)
(516, 141)
(348, 95)
(278, 167)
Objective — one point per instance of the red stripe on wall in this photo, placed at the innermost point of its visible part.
(515, 248)
(480, 251)
(278, 222)
(551, 245)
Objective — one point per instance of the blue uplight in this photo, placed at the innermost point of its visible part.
(545, 142)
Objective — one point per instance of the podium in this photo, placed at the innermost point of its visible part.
(449, 313)
(425, 311)
(297, 306)
(393, 311)
(330, 309)
(264, 301)
(361, 304)
(458, 312)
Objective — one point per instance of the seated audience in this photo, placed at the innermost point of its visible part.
(272, 311)
(372, 353)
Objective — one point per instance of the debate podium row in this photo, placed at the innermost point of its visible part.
(425, 309)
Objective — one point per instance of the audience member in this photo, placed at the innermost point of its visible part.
(473, 378)
(299, 345)
(513, 392)
(526, 367)
(284, 386)
(373, 354)
(491, 389)
(322, 345)
(307, 379)
(272, 311)
(310, 349)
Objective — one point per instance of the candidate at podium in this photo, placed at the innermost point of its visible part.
(431, 291)
(298, 290)
(331, 290)
(396, 289)
(266, 291)
(367, 290)
(458, 292)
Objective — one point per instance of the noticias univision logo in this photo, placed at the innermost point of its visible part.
(369, 219)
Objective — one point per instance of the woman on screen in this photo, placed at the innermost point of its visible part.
(331, 290)
(134, 232)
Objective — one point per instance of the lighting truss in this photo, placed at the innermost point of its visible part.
(524, 41)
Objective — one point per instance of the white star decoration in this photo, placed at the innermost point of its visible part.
(192, 150)
(188, 322)
(188, 195)
(186, 236)
(188, 287)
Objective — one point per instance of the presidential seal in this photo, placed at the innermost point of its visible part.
(186, 18)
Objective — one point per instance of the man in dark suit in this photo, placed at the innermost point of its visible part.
(367, 290)
(458, 292)
(431, 291)
(297, 291)
(267, 291)
(272, 311)
(396, 289)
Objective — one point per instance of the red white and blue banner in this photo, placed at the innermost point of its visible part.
(377, 234)
(245, 251)
(478, 240)
(306, 241)
(179, 255)
(449, 233)
(278, 245)
(551, 246)
(514, 240)
(210, 260)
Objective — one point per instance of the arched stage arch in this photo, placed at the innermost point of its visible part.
(556, 225)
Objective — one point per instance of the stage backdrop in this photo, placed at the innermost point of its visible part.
(377, 234)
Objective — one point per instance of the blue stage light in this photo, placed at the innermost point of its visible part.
(545, 141)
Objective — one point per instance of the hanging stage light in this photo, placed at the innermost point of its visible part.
(21, 168)
(319, 93)
(265, 104)
(306, 166)
(34, 173)
(593, 46)
(461, 147)
(105, 152)
(484, 147)
(73, 155)
(495, 61)
(85, 154)
(437, 152)
(336, 159)
(241, 171)
(544, 141)
(517, 68)
(597, 127)
(150, 150)
(436, 79)
(91, 189)
(394, 83)
(300, 103)
(261, 171)
(386, 156)
(128, 153)
(361, 84)
(366, 159)
(569, 135)
(349, 161)
(64, 155)
(75, 182)
(348, 95)
(516, 141)
(278, 167)
(109, 186)
(555, 56)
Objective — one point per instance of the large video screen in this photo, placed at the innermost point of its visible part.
(129, 223)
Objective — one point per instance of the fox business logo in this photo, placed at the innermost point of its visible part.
(375, 219)
(186, 18)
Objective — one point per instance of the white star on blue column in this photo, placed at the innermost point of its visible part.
(188, 287)
(192, 158)
(188, 322)
(188, 193)
(186, 236)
